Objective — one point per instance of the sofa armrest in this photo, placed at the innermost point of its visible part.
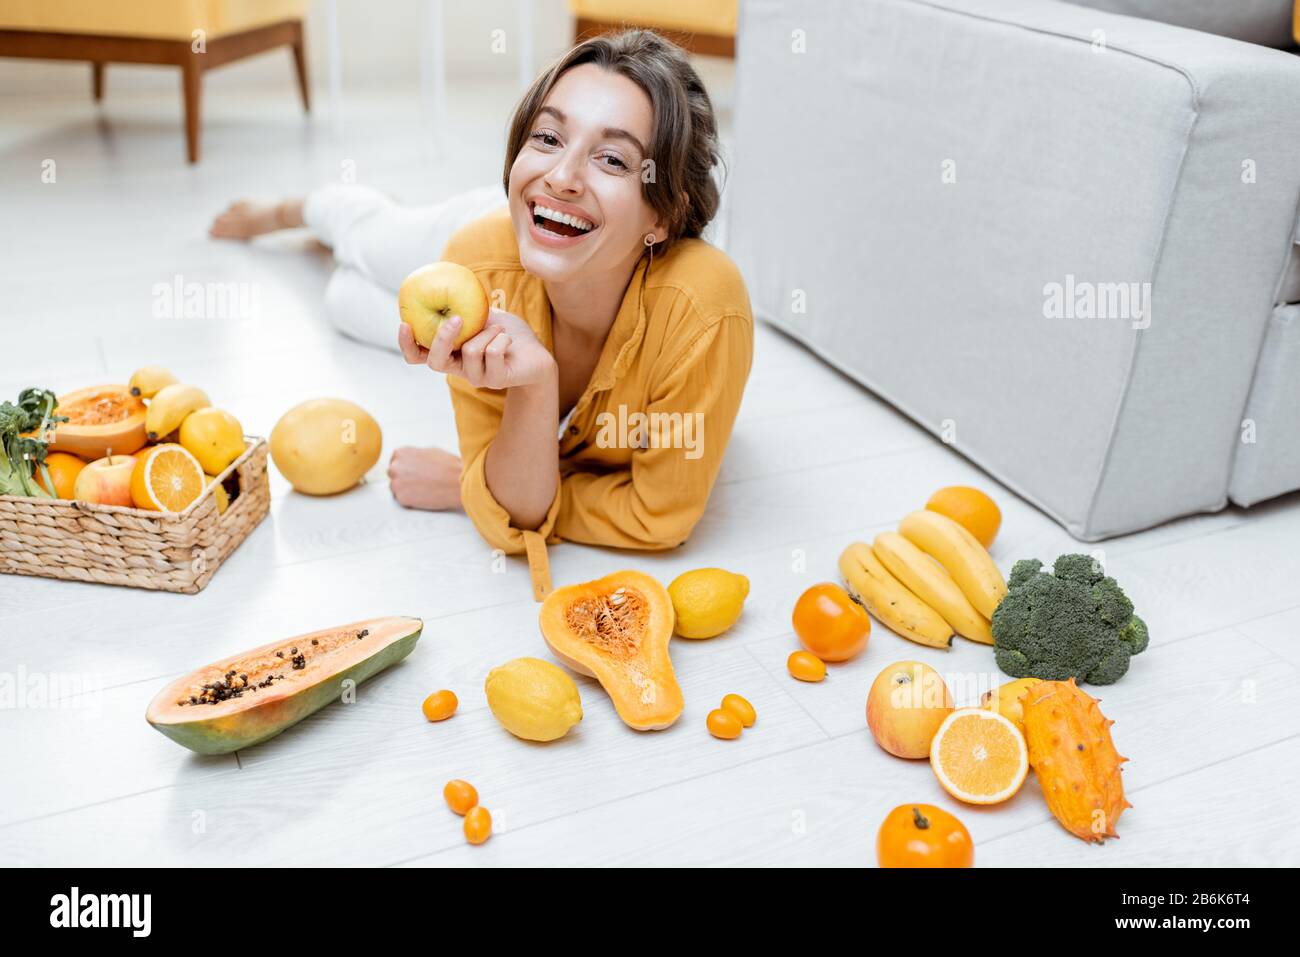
(932, 180)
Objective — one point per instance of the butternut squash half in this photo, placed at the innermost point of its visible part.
(616, 629)
(100, 418)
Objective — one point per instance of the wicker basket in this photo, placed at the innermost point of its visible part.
(114, 545)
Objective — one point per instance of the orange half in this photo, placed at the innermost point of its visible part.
(979, 756)
(168, 479)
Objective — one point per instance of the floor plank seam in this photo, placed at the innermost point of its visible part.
(1163, 781)
(784, 689)
(617, 800)
(755, 639)
(1265, 648)
(784, 473)
(1236, 625)
(88, 806)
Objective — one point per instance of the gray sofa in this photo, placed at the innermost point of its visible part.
(1060, 237)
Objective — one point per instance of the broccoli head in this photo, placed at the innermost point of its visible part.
(1072, 622)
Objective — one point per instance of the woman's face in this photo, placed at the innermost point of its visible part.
(582, 161)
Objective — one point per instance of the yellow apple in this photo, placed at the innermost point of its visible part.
(106, 481)
(907, 703)
(437, 292)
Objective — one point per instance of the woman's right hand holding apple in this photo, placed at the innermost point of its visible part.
(504, 355)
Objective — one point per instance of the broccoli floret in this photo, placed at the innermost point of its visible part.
(1024, 570)
(1134, 634)
(1071, 622)
(1112, 604)
(1111, 668)
(1078, 568)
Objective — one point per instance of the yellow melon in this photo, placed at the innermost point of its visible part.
(325, 446)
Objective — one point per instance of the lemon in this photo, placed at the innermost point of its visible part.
(533, 699)
(214, 437)
(707, 601)
(1005, 700)
(220, 494)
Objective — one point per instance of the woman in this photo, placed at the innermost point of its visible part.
(596, 404)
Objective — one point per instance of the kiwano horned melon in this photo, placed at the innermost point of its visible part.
(616, 629)
(1077, 765)
(251, 697)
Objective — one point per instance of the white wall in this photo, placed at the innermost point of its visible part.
(380, 45)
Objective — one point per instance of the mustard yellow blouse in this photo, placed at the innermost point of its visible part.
(641, 449)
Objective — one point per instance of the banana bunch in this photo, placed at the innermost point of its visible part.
(170, 400)
(928, 581)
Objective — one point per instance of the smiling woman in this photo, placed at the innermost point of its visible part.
(609, 310)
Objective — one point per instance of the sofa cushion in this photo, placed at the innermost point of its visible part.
(1267, 22)
(157, 19)
(716, 17)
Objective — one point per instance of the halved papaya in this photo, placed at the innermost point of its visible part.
(100, 418)
(616, 629)
(251, 697)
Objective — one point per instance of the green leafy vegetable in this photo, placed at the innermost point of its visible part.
(20, 454)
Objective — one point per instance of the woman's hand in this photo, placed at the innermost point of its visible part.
(425, 478)
(504, 355)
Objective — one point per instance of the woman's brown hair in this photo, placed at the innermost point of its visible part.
(684, 142)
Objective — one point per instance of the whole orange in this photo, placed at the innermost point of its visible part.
(831, 624)
(64, 469)
(922, 835)
(970, 508)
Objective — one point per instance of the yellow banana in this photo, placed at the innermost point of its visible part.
(168, 409)
(885, 597)
(927, 579)
(147, 381)
(957, 550)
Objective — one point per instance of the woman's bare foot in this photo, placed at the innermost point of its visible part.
(425, 478)
(245, 219)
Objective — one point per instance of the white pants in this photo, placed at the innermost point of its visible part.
(377, 244)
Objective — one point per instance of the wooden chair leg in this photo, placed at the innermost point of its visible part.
(191, 80)
(97, 80)
(300, 65)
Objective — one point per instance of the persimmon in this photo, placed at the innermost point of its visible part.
(922, 835)
(830, 624)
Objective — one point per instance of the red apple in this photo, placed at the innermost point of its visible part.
(106, 481)
(907, 703)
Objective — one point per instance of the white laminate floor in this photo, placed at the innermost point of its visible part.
(1210, 715)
